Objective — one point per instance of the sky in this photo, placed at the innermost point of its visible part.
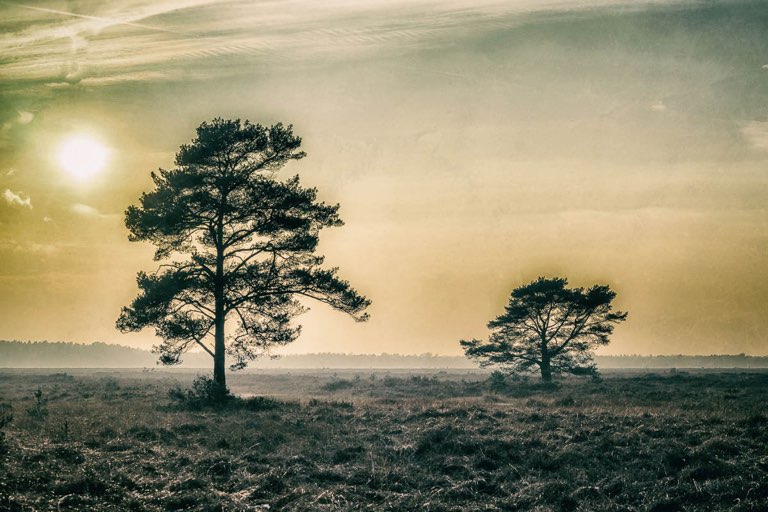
(472, 145)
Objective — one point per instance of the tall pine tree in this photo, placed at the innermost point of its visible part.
(238, 247)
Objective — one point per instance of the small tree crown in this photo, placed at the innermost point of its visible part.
(549, 327)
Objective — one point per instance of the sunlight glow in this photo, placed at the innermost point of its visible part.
(82, 157)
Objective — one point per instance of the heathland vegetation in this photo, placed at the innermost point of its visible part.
(450, 441)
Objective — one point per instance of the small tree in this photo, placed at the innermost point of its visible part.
(239, 246)
(550, 328)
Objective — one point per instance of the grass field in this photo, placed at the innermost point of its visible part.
(439, 441)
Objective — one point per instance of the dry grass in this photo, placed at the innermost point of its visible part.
(437, 442)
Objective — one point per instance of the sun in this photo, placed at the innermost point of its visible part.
(82, 157)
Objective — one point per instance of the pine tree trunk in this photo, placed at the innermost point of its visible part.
(220, 391)
(546, 369)
(219, 368)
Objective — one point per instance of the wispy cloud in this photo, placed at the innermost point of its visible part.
(52, 44)
(106, 21)
(25, 246)
(88, 211)
(17, 198)
(132, 40)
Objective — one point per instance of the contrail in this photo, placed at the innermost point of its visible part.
(98, 18)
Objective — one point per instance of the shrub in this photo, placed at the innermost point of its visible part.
(6, 416)
(497, 381)
(204, 391)
(39, 409)
(204, 388)
(111, 384)
(337, 385)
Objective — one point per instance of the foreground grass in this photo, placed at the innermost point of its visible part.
(673, 442)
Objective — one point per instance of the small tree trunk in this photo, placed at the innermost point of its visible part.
(546, 370)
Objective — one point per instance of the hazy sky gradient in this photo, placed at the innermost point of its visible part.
(473, 146)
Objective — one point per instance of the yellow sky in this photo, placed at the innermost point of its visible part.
(473, 146)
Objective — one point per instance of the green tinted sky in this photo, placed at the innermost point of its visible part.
(473, 146)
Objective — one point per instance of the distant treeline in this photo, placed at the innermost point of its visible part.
(45, 354)
(683, 361)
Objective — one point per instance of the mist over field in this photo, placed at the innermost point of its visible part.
(15, 354)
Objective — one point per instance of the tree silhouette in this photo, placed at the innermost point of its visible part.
(239, 247)
(549, 327)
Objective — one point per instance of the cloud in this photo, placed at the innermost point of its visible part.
(89, 211)
(25, 117)
(659, 106)
(47, 219)
(86, 210)
(756, 133)
(17, 198)
(8, 126)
